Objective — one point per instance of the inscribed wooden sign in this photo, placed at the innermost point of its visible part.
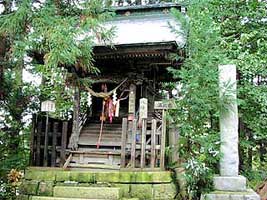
(164, 105)
(48, 106)
(132, 97)
(143, 108)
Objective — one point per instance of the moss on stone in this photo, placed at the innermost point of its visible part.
(164, 191)
(40, 175)
(82, 177)
(29, 187)
(46, 188)
(134, 177)
(87, 192)
(141, 191)
(153, 177)
(63, 176)
(22, 197)
(124, 190)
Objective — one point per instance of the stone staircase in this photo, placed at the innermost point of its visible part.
(57, 184)
(82, 193)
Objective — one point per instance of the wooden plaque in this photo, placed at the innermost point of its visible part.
(143, 108)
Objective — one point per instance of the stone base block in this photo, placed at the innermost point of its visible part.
(229, 183)
(220, 195)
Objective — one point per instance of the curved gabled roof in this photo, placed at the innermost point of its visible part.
(146, 24)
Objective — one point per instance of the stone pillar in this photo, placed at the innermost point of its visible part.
(228, 121)
(229, 183)
(229, 179)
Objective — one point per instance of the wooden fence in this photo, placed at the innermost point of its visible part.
(48, 141)
(143, 148)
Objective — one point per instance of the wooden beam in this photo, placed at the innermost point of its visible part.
(133, 156)
(123, 141)
(67, 162)
(143, 144)
(153, 143)
(163, 139)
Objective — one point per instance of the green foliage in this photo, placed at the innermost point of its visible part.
(199, 104)
(221, 32)
(49, 39)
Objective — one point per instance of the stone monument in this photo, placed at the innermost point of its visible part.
(229, 185)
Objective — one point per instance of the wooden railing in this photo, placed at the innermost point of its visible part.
(143, 148)
(52, 153)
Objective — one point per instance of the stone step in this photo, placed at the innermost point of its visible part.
(62, 198)
(59, 198)
(87, 192)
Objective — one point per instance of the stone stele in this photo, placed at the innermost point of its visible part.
(229, 185)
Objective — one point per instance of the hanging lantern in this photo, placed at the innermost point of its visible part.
(48, 106)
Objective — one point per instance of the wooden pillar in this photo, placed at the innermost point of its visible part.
(46, 140)
(32, 150)
(143, 117)
(123, 141)
(54, 144)
(153, 143)
(143, 144)
(38, 143)
(163, 141)
(63, 143)
(174, 144)
(133, 146)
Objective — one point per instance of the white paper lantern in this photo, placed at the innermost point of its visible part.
(48, 106)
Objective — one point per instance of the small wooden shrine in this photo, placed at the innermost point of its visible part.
(124, 126)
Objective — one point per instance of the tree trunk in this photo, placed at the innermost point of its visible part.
(73, 144)
(2, 58)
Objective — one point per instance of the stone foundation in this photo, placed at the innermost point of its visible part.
(141, 185)
(230, 183)
(223, 195)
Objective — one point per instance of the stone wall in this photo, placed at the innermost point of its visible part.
(142, 185)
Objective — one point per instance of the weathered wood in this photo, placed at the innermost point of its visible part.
(54, 144)
(133, 156)
(38, 144)
(63, 143)
(95, 166)
(67, 161)
(139, 169)
(143, 144)
(97, 152)
(46, 140)
(132, 99)
(163, 138)
(88, 141)
(81, 160)
(33, 133)
(123, 141)
(143, 108)
(165, 105)
(153, 143)
(173, 142)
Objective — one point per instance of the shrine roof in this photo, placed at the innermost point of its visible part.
(141, 25)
